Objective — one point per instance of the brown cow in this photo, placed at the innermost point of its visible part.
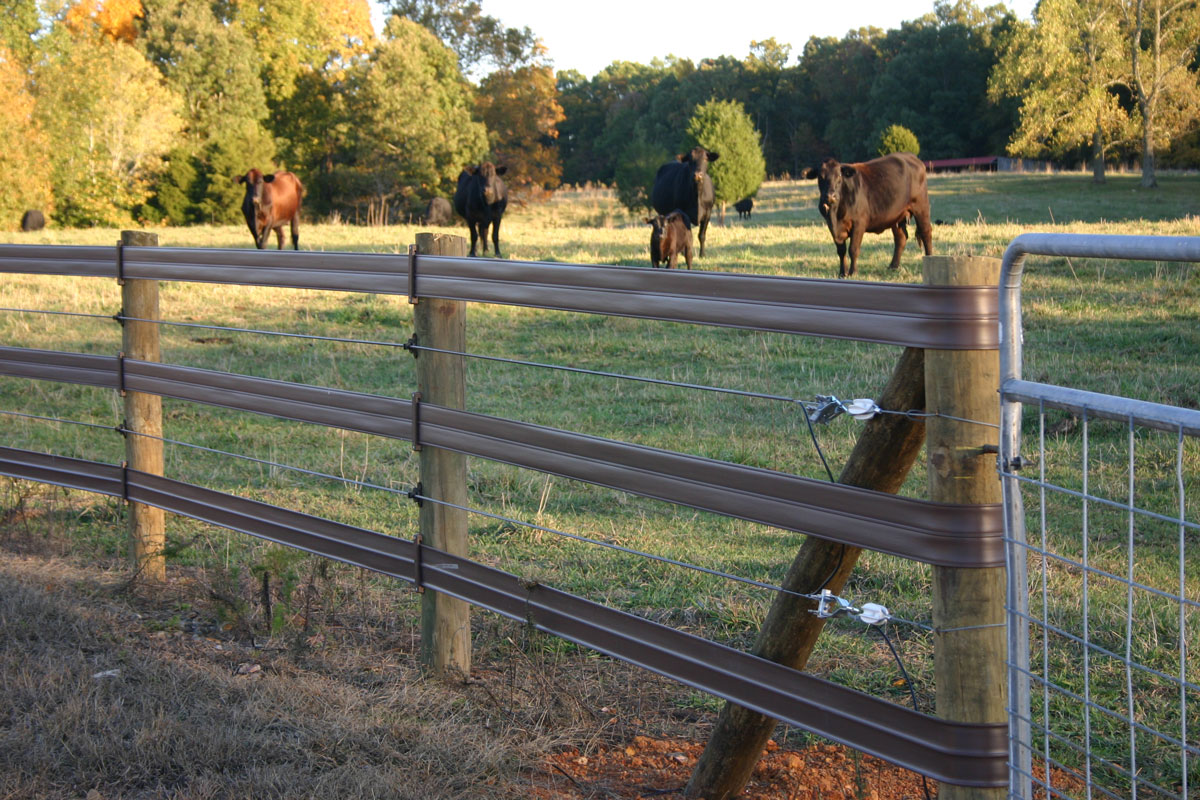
(670, 235)
(271, 202)
(872, 197)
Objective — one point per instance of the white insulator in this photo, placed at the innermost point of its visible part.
(862, 408)
(874, 614)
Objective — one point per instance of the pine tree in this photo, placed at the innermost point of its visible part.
(723, 126)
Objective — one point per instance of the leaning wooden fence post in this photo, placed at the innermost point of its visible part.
(885, 451)
(143, 416)
(968, 603)
(442, 324)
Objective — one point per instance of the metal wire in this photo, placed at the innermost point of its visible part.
(912, 692)
(58, 419)
(123, 318)
(59, 313)
(611, 546)
(602, 374)
(682, 385)
(1052, 628)
(915, 414)
(264, 462)
(1116, 715)
(912, 413)
(1083, 495)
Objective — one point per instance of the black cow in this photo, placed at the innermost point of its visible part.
(438, 212)
(872, 197)
(684, 184)
(744, 207)
(33, 220)
(480, 199)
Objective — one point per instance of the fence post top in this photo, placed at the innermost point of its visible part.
(139, 238)
(441, 244)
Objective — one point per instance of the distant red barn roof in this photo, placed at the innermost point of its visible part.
(978, 162)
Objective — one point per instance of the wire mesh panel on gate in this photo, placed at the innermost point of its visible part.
(1104, 563)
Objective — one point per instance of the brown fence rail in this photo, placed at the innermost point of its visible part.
(934, 533)
(958, 753)
(937, 533)
(939, 317)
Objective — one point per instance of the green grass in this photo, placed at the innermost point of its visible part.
(1113, 327)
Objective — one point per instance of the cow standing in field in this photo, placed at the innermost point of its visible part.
(480, 199)
(684, 184)
(670, 235)
(871, 197)
(33, 220)
(271, 202)
(438, 212)
(744, 206)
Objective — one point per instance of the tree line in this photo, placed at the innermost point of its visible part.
(120, 111)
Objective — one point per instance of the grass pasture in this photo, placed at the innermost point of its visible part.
(1113, 327)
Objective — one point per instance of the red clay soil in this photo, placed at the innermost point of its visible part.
(653, 768)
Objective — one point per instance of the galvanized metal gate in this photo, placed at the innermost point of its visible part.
(1103, 551)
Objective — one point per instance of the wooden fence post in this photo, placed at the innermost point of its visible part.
(143, 415)
(968, 603)
(442, 324)
(881, 459)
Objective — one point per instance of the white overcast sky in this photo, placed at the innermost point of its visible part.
(590, 36)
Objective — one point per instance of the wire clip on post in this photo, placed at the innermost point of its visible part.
(412, 275)
(121, 374)
(830, 605)
(120, 263)
(418, 577)
(412, 346)
(828, 407)
(416, 421)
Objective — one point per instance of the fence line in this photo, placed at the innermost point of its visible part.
(911, 315)
(946, 534)
(966, 754)
(935, 533)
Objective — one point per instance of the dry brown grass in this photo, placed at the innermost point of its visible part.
(198, 703)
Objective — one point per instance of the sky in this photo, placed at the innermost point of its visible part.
(590, 36)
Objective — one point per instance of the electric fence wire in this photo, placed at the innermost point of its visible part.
(80, 423)
(842, 551)
(224, 328)
(58, 313)
(409, 345)
(501, 518)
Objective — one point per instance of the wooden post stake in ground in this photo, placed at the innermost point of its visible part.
(968, 659)
(445, 621)
(882, 457)
(143, 415)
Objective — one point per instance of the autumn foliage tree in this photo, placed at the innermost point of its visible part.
(25, 158)
(115, 20)
(1162, 37)
(1069, 71)
(110, 119)
(521, 111)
